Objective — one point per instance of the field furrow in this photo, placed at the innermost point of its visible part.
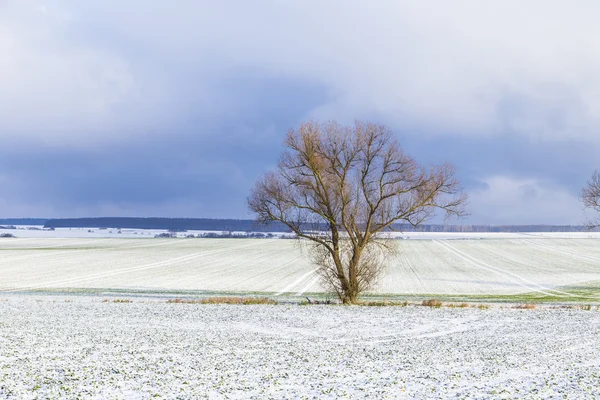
(557, 266)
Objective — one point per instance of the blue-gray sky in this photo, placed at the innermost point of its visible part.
(173, 109)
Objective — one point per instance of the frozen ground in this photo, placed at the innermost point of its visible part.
(560, 267)
(81, 347)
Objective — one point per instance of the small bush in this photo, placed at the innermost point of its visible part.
(122, 301)
(528, 306)
(482, 306)
(586, 307)
(433, 303)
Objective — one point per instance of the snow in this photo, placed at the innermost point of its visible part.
(82, 347)
(495, 265)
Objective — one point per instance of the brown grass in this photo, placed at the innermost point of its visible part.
(457, 305)
(433, 303)
(528, 306)
(184, 301)
(225, 300)
(122, 301)
(383, 303)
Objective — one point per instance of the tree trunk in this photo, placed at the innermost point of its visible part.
(350, 296)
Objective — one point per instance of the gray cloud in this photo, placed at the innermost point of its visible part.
(132, 107)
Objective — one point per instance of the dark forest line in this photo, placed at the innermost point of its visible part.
(246, 225)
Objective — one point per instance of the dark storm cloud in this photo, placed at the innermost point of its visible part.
(203, 164)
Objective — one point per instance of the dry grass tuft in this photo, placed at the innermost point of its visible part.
(586, 307)
(482, 306)
(383, 303)
(237, 300)
(122, 301)
(457, 305)
(225, 300)
(528, 306)
(433, 303)
(184, 301)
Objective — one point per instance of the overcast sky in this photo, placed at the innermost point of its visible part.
(148, 108)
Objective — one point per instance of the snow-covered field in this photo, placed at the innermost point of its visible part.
(559, 265)
(81, 347)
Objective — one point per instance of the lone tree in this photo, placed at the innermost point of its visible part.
(341, 187)
(590, 195)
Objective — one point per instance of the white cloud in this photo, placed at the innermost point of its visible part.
(506, 200)
(468, 67)
(57, 89)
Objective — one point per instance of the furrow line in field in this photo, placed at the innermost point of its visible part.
(235, 265)
(40, 253)
(69, 243)
(297, 282)
(271, 272)
(413, 270)
(308, 286)
(561, 251)
(43, 252)
(506, 274)
(103, 274)
(527, 281)
(117, 272)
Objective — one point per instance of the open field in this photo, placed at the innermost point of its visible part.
(131, 343)
(556, 267)
(55, 347)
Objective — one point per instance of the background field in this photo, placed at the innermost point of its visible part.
(558, 267)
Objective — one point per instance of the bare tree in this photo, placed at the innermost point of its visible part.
(341, 187)
(590, 195)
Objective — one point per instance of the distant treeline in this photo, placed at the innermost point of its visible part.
(491, 228)
(246, 225)
(170, 224)
(23, 221)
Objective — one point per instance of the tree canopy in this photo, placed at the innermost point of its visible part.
(356, 181)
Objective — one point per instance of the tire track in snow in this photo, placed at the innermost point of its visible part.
(225, 272)
(561, 251)
(103, 274)
(429, 330)
(314, 281)
(297, 282)
(117, 272)
(43, 251)
(515, 278)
